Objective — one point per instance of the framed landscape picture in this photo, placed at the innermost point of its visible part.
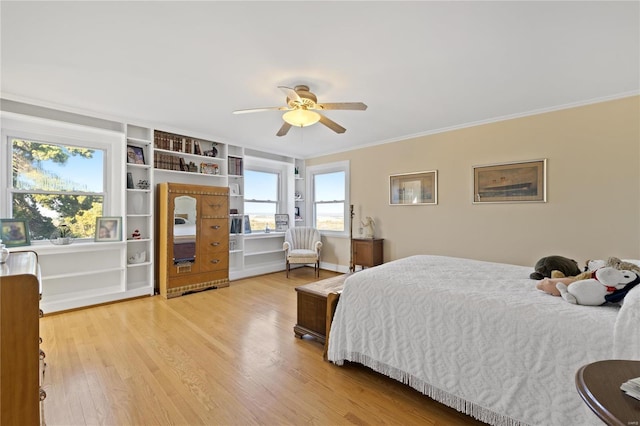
(419, 188)
(523, 181)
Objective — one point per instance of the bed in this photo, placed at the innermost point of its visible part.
(478, 337)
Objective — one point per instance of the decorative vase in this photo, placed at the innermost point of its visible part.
(4, 253)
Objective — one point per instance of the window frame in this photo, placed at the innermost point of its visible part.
(17, 126)
(256, 165)
(311, 172)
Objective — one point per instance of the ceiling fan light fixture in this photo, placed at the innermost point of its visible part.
(301, 117)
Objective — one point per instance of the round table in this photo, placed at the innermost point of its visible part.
(599, 383)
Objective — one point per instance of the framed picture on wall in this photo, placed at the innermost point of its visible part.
(419, 188)
(15, 232)
(108, 229)
(517, 182)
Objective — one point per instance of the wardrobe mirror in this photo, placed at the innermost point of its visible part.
(184, 229)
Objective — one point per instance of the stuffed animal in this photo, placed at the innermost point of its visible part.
(598, 290)
(592, 265)
(614, 262)
(546, 265)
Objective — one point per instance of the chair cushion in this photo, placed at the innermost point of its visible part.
(302, 256)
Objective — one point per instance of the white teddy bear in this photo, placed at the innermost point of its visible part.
(592, 291)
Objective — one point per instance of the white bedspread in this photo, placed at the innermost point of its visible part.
(478, 337)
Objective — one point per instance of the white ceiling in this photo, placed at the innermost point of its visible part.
(421, 67)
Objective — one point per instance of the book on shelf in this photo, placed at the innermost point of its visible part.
(235, 166)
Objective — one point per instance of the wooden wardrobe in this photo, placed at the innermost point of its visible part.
(193, 238)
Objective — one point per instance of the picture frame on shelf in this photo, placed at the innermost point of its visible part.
(234, 189)
(15, 232)
(108, 229)
(135, 155)
(413, 189)
(209, 169)
(130, 180)
(282, 222)
(247, 224)
(514, 182)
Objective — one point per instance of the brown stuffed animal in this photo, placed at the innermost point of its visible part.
(546, 265)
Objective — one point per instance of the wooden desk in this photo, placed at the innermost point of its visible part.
(366, 252)
(599, 383)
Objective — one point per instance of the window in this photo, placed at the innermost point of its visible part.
(329, 189)
(54, 184)
(261, 197)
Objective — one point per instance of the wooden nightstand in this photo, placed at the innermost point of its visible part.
(367, 252)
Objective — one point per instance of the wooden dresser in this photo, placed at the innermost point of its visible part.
(193, 238)
(19, 340)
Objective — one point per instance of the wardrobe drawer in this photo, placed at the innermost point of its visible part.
(217, 206)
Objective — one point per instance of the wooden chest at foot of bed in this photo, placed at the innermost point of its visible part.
(314, 318)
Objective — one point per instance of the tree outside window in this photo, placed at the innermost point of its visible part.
(55, 184)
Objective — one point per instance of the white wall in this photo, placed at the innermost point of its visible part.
(593, 208)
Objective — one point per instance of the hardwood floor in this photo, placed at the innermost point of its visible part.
(221, 357)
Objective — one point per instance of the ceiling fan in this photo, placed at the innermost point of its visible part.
(302, 110)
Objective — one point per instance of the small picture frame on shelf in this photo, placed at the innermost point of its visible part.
(135, 154)
(130, 180)
(282, 222)
(15, 232)
(247, 224)
(209, 169)
(234, 189)
(108, 229)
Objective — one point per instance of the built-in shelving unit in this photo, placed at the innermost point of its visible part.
(263, 253)
(235, 170)
(87, 273)
(299, 194)
(139, 223)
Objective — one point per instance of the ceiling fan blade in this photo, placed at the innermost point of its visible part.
(284, 129)
(358, 106)
(291, 93)
(243, 111)
(332, 124)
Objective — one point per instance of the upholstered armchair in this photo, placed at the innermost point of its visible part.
(302, 245)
